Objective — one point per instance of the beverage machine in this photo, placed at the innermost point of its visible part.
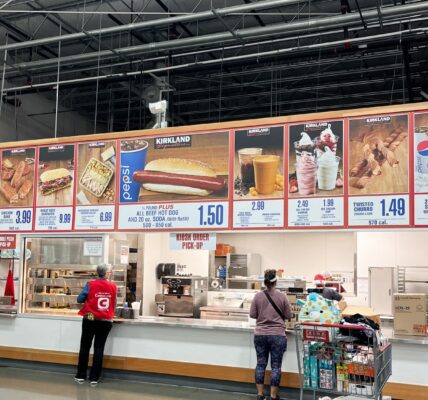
(182, 296)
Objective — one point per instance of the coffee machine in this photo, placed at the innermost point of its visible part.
(182, 296)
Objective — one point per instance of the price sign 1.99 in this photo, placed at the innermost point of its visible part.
(316, 212)
(379, 210)
(16, 219)
(54, 219)
(94, 217)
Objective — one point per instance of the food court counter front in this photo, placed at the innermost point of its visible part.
(220, 350)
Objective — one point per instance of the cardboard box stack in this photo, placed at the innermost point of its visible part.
(295, 309)
(410, 314)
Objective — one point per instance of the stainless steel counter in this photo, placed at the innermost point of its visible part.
(219, 325)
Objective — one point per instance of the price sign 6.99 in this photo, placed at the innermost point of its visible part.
(379, 210)
(95, 217)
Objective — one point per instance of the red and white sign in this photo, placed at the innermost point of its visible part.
(317, 334)
(192, 241)
(8, 242)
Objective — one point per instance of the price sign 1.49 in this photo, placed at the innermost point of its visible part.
(379, 210)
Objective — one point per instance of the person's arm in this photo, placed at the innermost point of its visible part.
(287, 308)
(336, 295)
(81, 298)
(254, 312)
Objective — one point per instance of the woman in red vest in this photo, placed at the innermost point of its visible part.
(99, 298)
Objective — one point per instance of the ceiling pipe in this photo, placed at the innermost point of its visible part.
(220, 60)
(226, 37)
(153, 23)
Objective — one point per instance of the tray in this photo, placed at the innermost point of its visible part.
(96, 177)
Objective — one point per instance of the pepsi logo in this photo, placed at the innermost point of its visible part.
(422, 148)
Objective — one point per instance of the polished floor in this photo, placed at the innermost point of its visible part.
(24, 384)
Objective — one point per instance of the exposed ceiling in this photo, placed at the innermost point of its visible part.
(214, 60)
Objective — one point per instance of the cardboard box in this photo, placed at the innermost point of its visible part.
(410, 314)
(365, 311)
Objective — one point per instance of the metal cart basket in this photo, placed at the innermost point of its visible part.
(344, 360)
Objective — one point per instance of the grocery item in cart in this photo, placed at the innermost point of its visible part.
(320, 310)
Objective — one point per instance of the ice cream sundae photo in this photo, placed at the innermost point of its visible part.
(315, 163)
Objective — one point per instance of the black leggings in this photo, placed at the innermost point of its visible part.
(91, 329)
(276, 347)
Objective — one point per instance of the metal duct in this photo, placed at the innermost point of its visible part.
(248, 33)
(155, 23)
(221, 60)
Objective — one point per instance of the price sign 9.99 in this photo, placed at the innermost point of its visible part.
(54, 219)
(379, 210)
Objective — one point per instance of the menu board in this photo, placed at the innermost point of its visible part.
(55, 188)
(348, 173)
(17, 189)
(96, 186)
(174, 182)
(315, 174)
(420, 154)
(379, 171)
(259, 178)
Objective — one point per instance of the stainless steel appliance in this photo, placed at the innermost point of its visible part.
(182, 296)
(242, 266)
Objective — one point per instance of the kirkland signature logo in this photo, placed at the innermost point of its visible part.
(378, 120)
(173, 141)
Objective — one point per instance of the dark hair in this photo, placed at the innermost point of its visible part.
(270, 274)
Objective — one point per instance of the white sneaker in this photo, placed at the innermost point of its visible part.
(80, 381)
(94, 383)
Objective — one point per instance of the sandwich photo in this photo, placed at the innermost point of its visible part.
(179, 176)
(53, 180)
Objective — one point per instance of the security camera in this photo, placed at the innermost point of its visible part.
(158, 107)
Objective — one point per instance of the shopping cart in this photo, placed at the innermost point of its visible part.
(343, 360)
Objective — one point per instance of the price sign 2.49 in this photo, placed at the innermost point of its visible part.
(379, 210)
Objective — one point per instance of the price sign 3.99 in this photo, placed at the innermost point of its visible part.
(16, 219)
(379, 210)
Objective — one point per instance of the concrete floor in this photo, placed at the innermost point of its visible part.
(24, 384)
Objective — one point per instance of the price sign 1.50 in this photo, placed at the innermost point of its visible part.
(211, 215)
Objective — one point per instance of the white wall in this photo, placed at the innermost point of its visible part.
(299, 254)
(156, 250)
(18, 125)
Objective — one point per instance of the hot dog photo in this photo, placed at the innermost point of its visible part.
(17, 178)
(173, 168)
(55, 176)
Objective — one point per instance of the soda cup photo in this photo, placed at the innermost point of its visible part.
(133, 153)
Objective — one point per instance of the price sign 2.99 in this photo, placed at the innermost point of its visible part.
(379, 210)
